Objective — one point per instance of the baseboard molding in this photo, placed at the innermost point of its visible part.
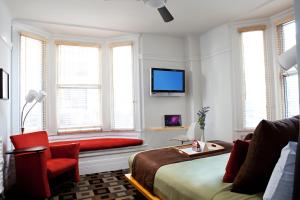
(106, 160)
(102, 165)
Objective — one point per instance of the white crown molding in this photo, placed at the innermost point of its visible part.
(162, 58)
(213, 54)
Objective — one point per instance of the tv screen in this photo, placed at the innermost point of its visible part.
(167, 80)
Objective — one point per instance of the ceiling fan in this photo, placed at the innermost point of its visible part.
(160, 5)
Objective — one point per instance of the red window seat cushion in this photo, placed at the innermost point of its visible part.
(102, 143)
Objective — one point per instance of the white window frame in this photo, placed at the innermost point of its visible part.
(93, 86)
(238, 79)
(277, 21)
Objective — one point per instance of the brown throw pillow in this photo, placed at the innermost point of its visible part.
(263, 153)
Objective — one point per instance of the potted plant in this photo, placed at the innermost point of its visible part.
(201, 119)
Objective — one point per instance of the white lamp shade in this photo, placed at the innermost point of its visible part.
(41, 96)
(155, 3)
(288, 59)
(32, 94)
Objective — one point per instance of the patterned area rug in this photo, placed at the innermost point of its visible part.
(105, 185)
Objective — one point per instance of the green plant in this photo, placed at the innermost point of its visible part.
(201, 116)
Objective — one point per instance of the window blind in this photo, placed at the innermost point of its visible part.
(32, 69)
(254, 77)
(79, 102)
(122, 81)
(286, 34)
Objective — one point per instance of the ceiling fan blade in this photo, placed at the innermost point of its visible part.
(165, 14)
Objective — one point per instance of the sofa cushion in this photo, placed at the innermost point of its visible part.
(236, 159)
(58, 166)
(281, 182)
(264, 151)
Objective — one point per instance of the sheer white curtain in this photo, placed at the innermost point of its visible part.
(79, 105)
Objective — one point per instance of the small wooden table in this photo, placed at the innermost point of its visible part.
(36, 149)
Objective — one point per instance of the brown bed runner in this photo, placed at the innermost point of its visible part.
(146, 164)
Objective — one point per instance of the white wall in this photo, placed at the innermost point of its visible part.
(215, 48)
(5, 58)
(297, 13)
(5, 53)
(167, 52)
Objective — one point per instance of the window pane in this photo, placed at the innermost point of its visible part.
(123, 111)
(78, 108)
(254, 73)
(289, 35)
(79, 91)
(291, 92)
(31, 70)
(292, 95)
(78, 65)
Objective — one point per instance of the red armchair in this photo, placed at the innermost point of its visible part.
(34, 170)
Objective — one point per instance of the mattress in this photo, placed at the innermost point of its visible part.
(199, 179)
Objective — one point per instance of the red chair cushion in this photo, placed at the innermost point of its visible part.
(236, 159)
(102, 143)
(28, 140)
(57, 166)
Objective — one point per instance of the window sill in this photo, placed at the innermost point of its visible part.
(250, 130)
(110, 134)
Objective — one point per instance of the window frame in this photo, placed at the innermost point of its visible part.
(79, 86)
(44, 42)
(110, 49)
(280, 49)
(106, 84)
(238, 78)
(242, 31)
(251, 28)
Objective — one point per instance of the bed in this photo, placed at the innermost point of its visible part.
(199, 182)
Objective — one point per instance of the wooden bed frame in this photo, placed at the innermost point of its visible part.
(140, 188)
(296, 191)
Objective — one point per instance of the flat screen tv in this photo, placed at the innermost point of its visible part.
(167, 81)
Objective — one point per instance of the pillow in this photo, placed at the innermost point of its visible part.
(264, 151)
(236, 159)
(281, 183)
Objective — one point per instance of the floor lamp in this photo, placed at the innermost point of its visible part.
(32, 96)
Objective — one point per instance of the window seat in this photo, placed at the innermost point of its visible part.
(102, 143)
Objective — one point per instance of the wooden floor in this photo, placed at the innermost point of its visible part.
(140, 188)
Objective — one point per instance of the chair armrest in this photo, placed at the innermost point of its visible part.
(35, 149)
(65, 150)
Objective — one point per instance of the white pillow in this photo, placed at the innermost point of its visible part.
(280, 186)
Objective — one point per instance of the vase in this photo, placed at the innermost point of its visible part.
(203, 136)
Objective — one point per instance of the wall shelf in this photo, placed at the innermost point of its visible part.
(181, 128)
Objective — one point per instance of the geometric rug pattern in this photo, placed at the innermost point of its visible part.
(105, 185)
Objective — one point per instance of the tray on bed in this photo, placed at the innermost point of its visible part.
(209, 148)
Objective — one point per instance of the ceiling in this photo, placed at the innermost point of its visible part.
(113, 17)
